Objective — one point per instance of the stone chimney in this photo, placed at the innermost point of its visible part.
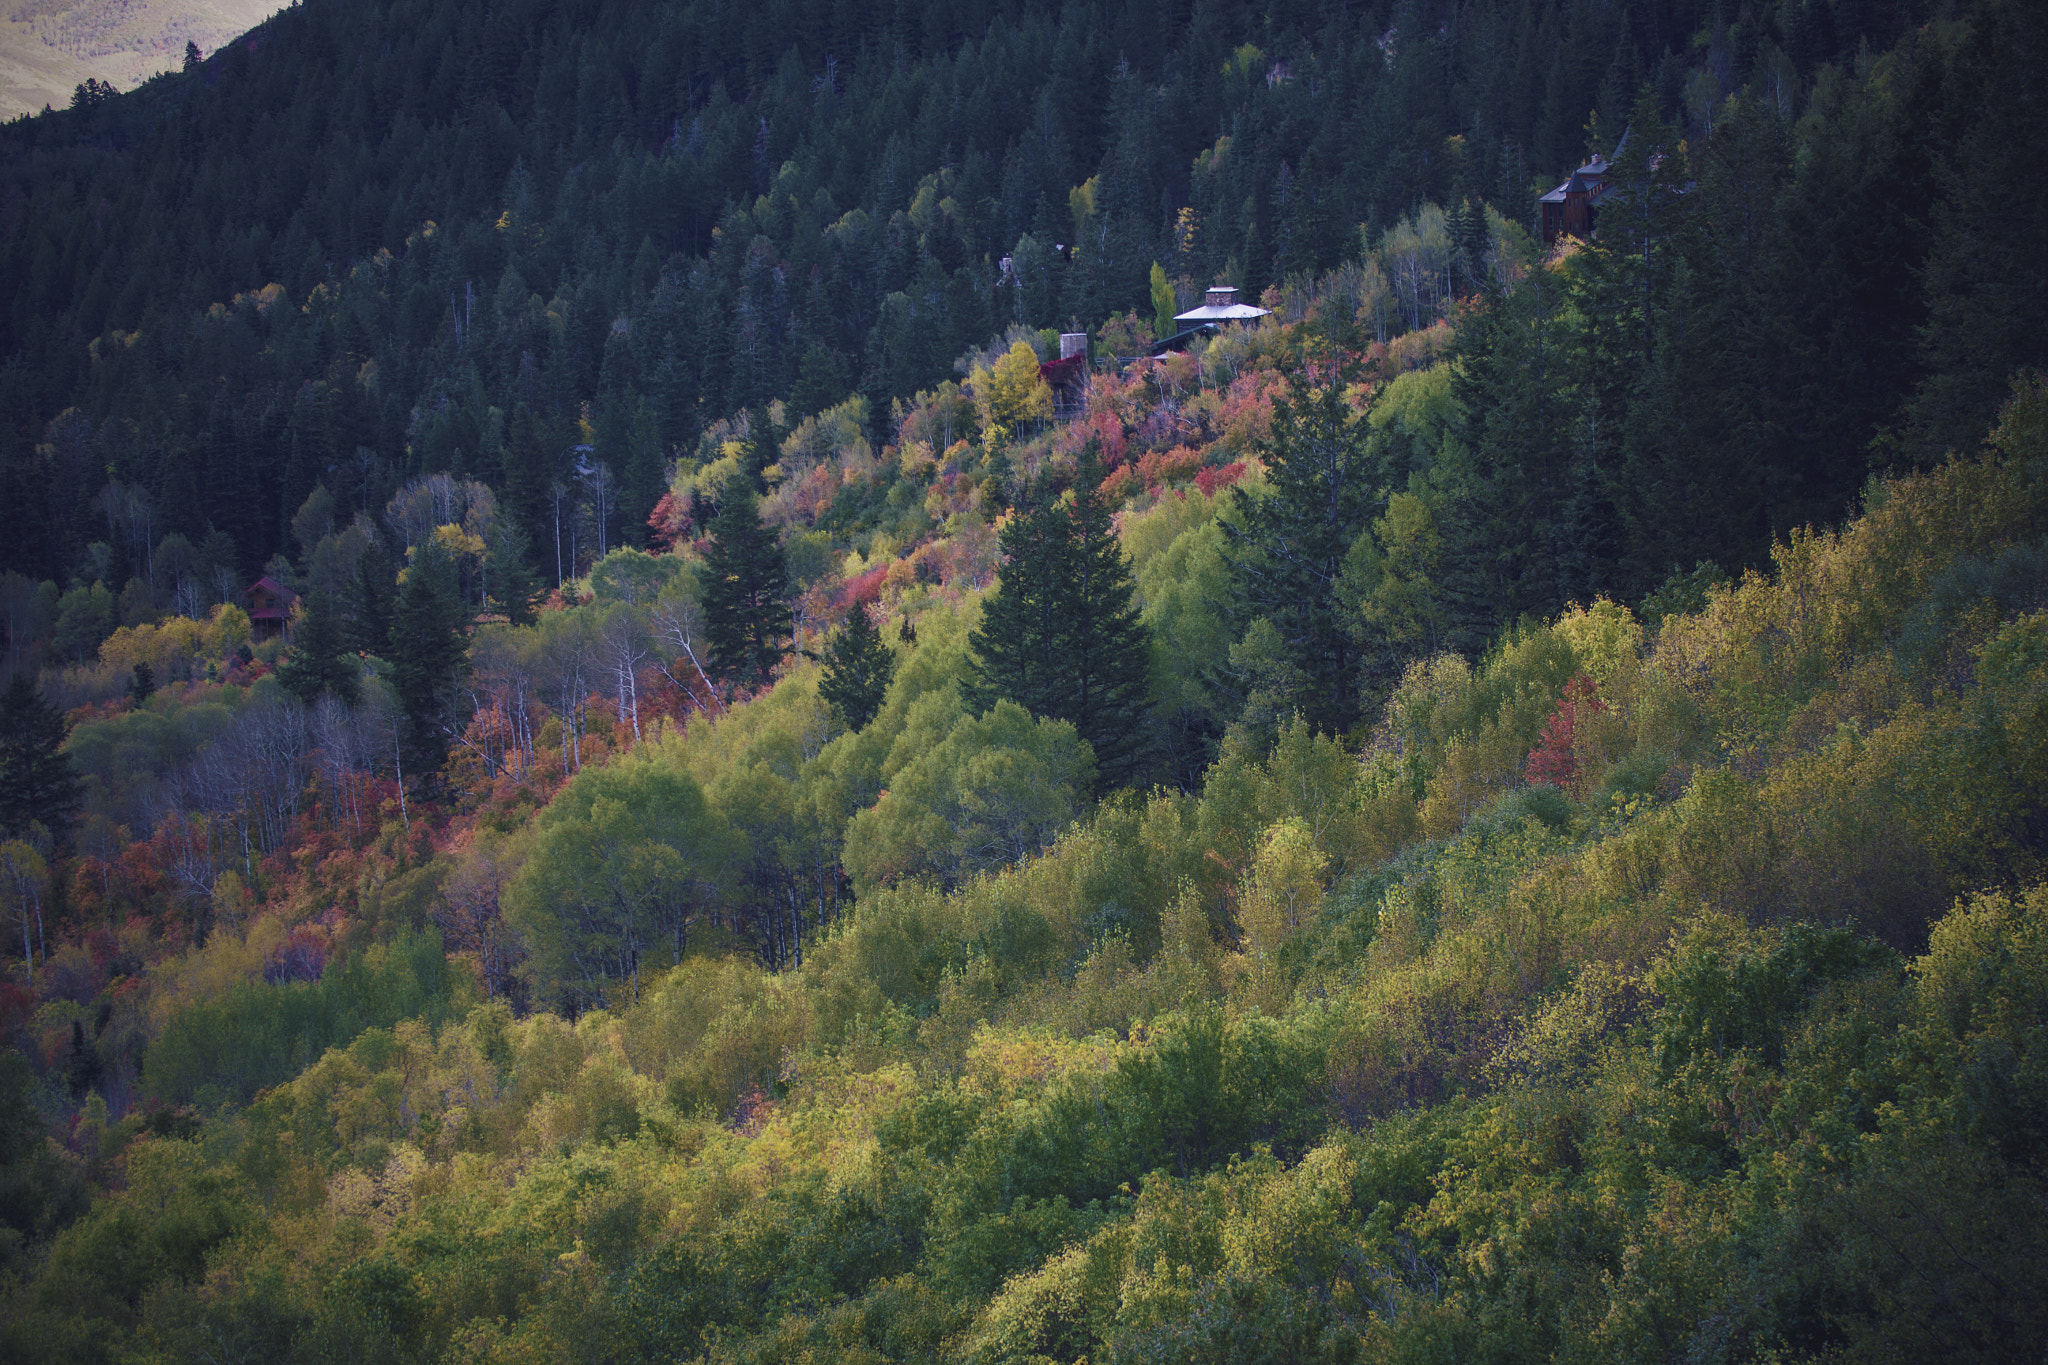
(1221, 296)
(1073, 344)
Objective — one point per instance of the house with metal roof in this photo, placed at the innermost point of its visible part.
(1219, 309)
(1573, 207)
(1220, 305)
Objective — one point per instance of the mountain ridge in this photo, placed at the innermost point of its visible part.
(48, 48)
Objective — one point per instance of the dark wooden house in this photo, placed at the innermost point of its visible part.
(270, 607)
(1573, 208)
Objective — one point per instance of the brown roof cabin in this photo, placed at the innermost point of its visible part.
(270, 607)
(1572, 208)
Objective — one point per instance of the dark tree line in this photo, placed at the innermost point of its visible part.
(501, 233)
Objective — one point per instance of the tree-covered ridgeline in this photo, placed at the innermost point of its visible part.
(367, 243)
(1429, 443)
(1307, 508)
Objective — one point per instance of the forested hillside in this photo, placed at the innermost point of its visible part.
(759, 813)
(373, 241)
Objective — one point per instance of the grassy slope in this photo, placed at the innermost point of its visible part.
(49, 47)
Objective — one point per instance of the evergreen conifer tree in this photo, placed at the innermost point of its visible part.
(1517, 511)
(1287, 550)
(762, 449)
(1061, 636)
(370, 609)
(1985, 272)
(746, 590)
(1104, 643)
(320, 659)
(37, 781)
(858, 670)
(1016, 648)
(120, 564)
(427, 654)
(511, 585)
(86, 1066)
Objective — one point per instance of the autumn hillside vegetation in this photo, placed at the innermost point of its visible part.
(654, 709)
(1636, 990)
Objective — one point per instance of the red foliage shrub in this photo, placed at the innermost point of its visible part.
(669, 522)
(301, 957)
(1552, 760)
(1108, 430)
(865, 586)
(1211, 479)
(1121, 483)
(110, 954)
(1169, 466)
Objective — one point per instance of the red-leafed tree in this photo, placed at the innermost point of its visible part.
(1553, 760)
(669, 522)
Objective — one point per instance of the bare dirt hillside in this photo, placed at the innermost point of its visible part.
(47, 47)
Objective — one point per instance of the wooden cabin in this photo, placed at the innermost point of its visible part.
(1573, 208)
(270, 607)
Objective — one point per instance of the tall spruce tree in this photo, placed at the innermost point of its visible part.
(320, 659)
(1016, 648)
(1287, 550)
(1986, 269)
(1061, 635)
(1518, 507)
(511, 584)
(428, 654)
(746, 590)
(371, 601)
(37, 781)
(761, 449)
(858, 670)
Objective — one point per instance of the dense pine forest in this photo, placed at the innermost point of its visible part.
(613, 749)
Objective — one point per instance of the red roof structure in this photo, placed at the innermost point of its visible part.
(1067, 377)
(270, 607)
